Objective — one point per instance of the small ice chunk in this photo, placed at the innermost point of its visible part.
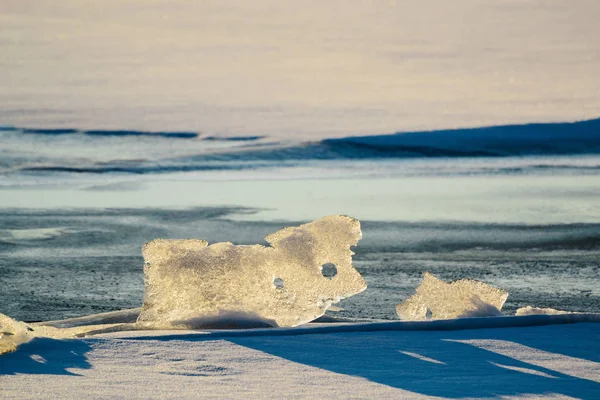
(436, 299)
(127, 316)
(540, 311)
(307, 268)
(13, 333)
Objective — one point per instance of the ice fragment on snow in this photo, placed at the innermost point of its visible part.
(12, 334)
(305, 270)
(436, 299)
(540, 311)
(128, 316)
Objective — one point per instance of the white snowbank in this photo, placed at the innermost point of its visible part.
(375, 360)
(455, 324)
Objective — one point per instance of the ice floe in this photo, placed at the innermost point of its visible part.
(436, 299)
(295, 280)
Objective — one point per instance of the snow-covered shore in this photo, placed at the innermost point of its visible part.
(324, 361)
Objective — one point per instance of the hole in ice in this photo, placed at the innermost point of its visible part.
(328, 270)
(278, 283)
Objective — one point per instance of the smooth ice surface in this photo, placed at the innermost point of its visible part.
(436, 299)
(191, 284)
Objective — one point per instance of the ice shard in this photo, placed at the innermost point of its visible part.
(529, 310)
(293, 281)
(12, 334)
(436, 299)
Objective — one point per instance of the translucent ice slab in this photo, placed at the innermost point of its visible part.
(293, 281)
(436, 299)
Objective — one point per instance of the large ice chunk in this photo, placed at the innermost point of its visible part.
(436, 299)
(305, 270)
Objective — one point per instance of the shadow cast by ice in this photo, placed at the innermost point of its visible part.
(437, 364)
(46, 356)
(473, 363)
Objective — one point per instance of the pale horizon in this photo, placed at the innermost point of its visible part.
(297, 69)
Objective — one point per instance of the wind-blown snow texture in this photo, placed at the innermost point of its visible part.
(536, 361)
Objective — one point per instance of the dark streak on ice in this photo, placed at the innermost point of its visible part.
(234, 138)
(173, 135)
(49, 131)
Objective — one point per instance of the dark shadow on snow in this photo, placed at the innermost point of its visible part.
(463, 370)
(432, 363)
(46, 356)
